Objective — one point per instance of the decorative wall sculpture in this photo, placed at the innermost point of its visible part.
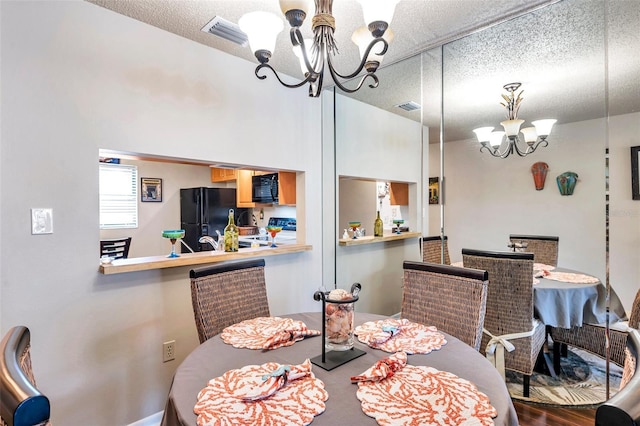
(539, 171)
(567, 182)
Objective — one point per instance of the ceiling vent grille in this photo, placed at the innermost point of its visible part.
(409, 106)
(227, 30)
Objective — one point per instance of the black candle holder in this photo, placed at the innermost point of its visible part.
(332, 359)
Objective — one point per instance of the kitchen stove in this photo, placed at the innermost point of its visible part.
(288, 225)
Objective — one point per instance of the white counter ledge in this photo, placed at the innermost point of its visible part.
(187, 259)
(384, 238)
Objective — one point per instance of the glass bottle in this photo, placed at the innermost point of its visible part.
(231, 234)
(377, 226)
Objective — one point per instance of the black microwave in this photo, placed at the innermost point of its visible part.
(264, 188)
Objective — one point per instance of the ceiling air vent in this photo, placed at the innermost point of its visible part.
(227, 30)
(409, 106)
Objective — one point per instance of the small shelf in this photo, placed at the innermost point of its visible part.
(187, 259)
(384, 238)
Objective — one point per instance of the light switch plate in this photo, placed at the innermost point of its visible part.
(41, 221)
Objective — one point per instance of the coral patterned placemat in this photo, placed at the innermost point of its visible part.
(297, 402)
(571, 277)
(407, 336)
(266, 333)
(425, 396)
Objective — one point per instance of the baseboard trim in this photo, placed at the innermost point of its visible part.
(152, 420)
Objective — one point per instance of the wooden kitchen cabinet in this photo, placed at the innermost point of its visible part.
(399, 194)
(243, 188)
(223, 175)
(287, 188)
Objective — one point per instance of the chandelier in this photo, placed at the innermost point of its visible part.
(262, 29)
(533, 136)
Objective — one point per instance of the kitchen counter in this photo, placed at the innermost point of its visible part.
(187, 259)
(384, 238)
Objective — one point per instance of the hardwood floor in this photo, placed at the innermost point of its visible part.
(539, 415)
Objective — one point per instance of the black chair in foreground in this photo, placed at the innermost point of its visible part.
(118, 248)
(227, 293)
(21, 403)
(544, 248)
(623, 409)
(450, 298)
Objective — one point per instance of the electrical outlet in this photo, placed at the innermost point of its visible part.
(169, 351)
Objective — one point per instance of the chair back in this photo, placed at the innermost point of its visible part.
(118, 248)
(510, 294)
(21, 403)
(544, 248)
(623, 409)
(432, 248)
(450, 298)
(227, 293)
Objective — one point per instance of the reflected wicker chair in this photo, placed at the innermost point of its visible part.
(624, 407)
(450, 298)
(118, 248)
(544, 248)
(510, 307)
(21, 403)
(432, 250)
(225, 294)
(591, 337)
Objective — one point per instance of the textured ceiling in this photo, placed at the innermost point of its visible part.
(556, 49)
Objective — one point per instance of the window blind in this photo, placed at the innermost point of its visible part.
(118, 196)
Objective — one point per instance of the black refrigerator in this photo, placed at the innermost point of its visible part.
(205, 210)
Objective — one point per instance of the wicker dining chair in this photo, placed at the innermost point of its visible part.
(450, 298)
(21, 402)
(544, 248)
(510, 307)
(592, 337)
(432, 248)
(624, 407)
(227, 293)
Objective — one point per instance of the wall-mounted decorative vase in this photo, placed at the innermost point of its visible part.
(539, 171)
(567, 182)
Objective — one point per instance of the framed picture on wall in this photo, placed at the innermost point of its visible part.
(635, 173)
(151, 190)
(434, 190)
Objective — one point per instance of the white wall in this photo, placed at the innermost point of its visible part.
(489, 198)
(77, 78)
(374, 144)
(624, 212)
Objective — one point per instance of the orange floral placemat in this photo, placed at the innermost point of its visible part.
(394, 335)
(266, 333)
(296, 401)
(424, 395)
(571, 277)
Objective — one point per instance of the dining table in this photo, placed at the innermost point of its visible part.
(572, 303)
(567, 298)
(214, 357)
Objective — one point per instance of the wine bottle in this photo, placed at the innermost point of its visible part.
(377, 226)
(231, 234)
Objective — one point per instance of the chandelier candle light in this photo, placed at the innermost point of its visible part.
(262, 29)
(533, 136)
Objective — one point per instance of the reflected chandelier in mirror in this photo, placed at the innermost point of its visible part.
(533, 136)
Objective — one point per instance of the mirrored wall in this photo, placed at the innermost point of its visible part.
(575, 64)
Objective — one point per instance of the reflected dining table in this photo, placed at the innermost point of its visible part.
(570, 304)
(214, 357)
